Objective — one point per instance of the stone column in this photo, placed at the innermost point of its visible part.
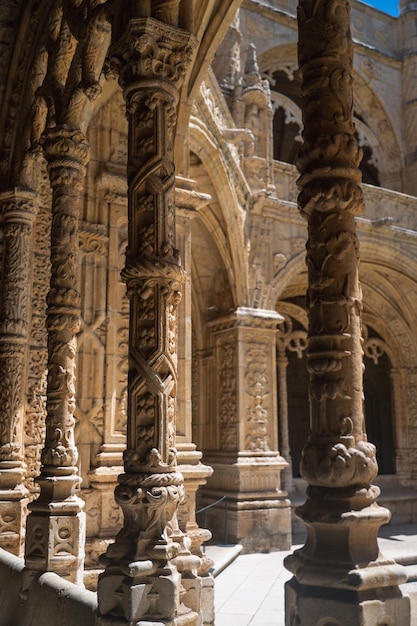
(188, 202)
(18, 209)
(142, 581)
(339, 575)
(56, 526)
(247, 465)
(293, 341)
(407, 22)
(282, 363)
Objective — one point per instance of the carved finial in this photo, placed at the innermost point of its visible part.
(252, 75)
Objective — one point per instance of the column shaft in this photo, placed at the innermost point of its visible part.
(338, 463)
(19, 208)
(150, 551)
(287, 475)
(188, 202)
(56, 525)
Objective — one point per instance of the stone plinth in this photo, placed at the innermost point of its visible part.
(254, 511)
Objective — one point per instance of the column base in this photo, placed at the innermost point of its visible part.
(255, 512)
(258, 525)
(124, 600)
(310, 606)
(104, 516)
(55, 539)
(195, 475)
(340, 576)
(13, 506)
(188, 619)
(207, 600)
(13, 510)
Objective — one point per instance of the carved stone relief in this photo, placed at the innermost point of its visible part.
(227, 382)
(257, 385)
(34, 435)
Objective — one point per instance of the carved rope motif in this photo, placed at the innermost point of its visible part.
(257, 386)
(337, 453)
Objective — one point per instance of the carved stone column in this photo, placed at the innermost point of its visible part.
(18, 210)
(292, 341)
(142, 580)
(56, 526)
(247, 465)
(188, 202)
(339, 575)
(282, 363)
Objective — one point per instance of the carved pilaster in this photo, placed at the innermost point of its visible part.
(247, 464)
(338, 463)
(56, 526)
(18, 211)
(150, 554)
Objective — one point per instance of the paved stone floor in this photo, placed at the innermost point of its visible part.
(250, 590)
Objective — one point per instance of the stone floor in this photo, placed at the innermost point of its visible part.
(250, 588)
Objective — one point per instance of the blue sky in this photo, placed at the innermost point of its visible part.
(389, 6)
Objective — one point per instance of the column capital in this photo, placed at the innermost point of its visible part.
(19, 205)
(65, 147)
(247, 317)
(151, 50)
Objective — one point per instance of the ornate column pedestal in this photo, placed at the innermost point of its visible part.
(55, 532)
(150, 569)
(247, 465)
(18, 211)
(188, 202)
(339, 575)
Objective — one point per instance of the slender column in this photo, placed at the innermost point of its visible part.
(142, 580)
(18, 208)
(56, 526)
(339, 575)
(188, 202)
(284, 437)
(293, 341)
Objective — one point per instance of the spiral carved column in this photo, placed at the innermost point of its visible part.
(340, 562)
(150, 554)
(56, 526)
(19, 208)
